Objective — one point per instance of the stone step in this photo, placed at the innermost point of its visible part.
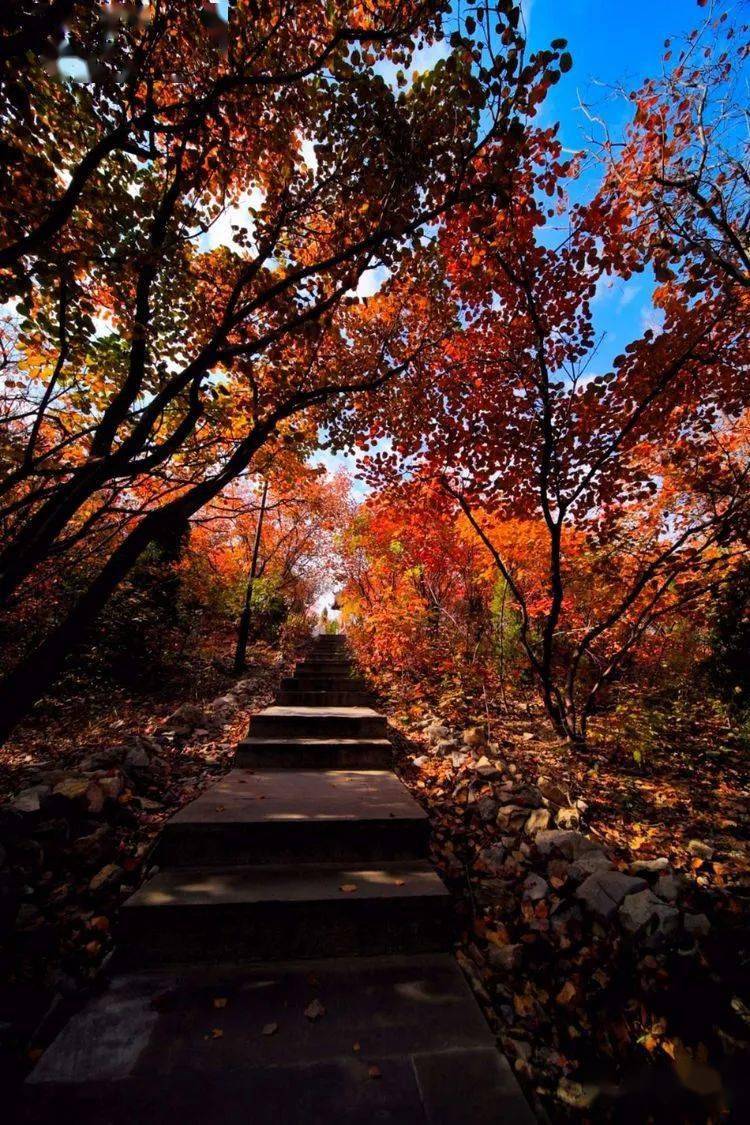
(323, 683)
(315, 753)
(328, 697)
(294, 815)
(303, 676)
(327, 663)
(318, 722)
(273, 913)
(144, 1049)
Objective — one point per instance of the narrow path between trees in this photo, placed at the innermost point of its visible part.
(289, 959)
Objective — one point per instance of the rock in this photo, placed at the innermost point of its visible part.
(188, 715)
(697, 925)
(588, 864)
(568, 817)
(106, 877)
(551, 791)
(648, 918)
(649, 866)
(436, 731)
(504, 958)
(603, 891)
(535, 887)
(527, 795)
(511, 818)
(92, 847)
(137, 758)
(104, 759)
(29, 801)
(473, 736)
(491, 860)
(245, 687)
(570, 844)
(482, 763)
(112, 786)
(457, 759)
(487, 808)
(667, 888)
(445, 746)
(422, 760)
(527, 736)
(700, 849)
(537, 821)
(78, 795)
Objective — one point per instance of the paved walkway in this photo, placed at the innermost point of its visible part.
(289, 962)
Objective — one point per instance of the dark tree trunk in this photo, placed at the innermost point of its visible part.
(240, 655)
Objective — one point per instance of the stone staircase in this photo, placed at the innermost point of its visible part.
(300, 936)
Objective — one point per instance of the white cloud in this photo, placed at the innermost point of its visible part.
(371, 281)
(652, 318)
(236, 214)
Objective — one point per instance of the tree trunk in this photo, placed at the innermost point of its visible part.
(240, 656)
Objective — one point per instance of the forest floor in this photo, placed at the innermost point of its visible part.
(604, 1015)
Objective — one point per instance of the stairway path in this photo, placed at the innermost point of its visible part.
(290, 960)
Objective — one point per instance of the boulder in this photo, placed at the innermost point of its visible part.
(487, 808)
(568, 817)
(491, 860)
(29, 801)
(551, 791)
(187, 716)
(511, 818)
(77, 795)
(137, 758)
(504, 958)
(570, 844)
(473, 736)
(245, 687)
(537, 821)
(649, 866)
(589, 864)
(535, 887)
(603, 891)
(697, 925)
(103, 759)
(112, 785)
(646, 917)
(700, 849)
(106, 877)
(436, 731)
(667, 887)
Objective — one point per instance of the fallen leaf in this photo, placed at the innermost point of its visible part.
(315, 1010)
(356, 1047)
(374, 1072)
(215, 1033)
(347, 888)
(270, 1028)
(220, 1001)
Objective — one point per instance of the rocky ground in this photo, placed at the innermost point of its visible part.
(76, 828)
(612, 962)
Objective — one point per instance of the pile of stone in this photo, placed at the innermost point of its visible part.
(553, 917)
